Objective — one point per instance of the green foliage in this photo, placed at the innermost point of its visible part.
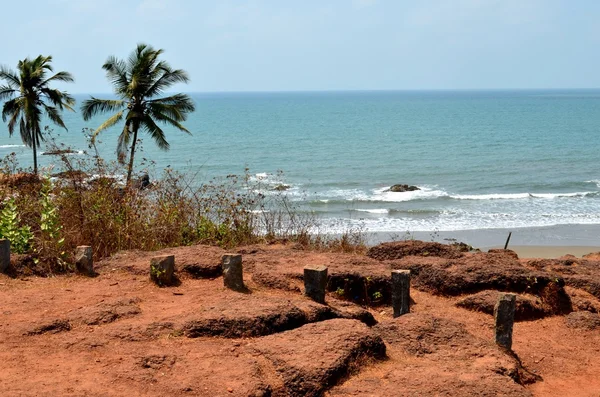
(19, 236)
(156, 274)
(49, 219)
(138, 83)
(27, 95)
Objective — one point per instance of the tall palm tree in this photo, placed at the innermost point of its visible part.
(137, 82)
(27, 96)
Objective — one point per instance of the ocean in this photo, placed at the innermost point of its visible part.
(486, 162)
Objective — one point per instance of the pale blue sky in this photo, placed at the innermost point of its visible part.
(279, 45)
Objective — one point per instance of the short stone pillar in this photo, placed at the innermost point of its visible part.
(315, 282)
(233, 273)
(162, 269)
(84, 260)
(504, 317)
(4, 255)
(401, 292)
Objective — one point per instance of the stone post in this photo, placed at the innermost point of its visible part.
(315, 282)
(504, 316)
(233, 273)
(4, 255)
(84, 260)
(162, 269)
(400, 292)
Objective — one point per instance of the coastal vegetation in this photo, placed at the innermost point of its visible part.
(85, 202)
(27, 95)
(137, 83)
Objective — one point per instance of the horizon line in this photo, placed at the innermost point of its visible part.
(359, 90)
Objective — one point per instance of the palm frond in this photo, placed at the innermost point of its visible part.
(7, 92)
(166, 80)
(116, 71)
(13, 121)
(54, 115)
(166, 118)
(94, 106)
(123, 143)
(109, 123)
(60, 76)
(182, 101)
(155, 132)
(10, 77)
(10, 107)
(58, 98)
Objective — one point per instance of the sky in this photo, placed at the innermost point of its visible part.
(291, 45)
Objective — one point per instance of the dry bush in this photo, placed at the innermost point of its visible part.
(86, 203)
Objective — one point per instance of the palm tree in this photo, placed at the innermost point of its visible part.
(27, 96)
(137, 82)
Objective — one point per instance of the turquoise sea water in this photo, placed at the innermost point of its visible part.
(483, 159)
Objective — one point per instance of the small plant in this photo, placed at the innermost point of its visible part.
(156, 274)
(19, 236)
(377, 295)
(340, 292)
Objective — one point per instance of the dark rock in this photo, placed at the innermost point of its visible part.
(84, 261)
(281, 188)
(504, 317)
(400, 292)
(58, 152)
(233, 273)
(4, 255)
(143, 182)
(399, 188)
(162, 269)
(315, 282)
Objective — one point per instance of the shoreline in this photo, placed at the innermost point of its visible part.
(533, 242)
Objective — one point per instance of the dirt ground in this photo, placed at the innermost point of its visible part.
(119, 334)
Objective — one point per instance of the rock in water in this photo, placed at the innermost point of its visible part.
(402, 188)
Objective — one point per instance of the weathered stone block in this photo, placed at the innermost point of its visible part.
(84, 260)
(4, 255)
(504, 316)
(401, 292)
(233, 273)
(315, 282)
(162, 269)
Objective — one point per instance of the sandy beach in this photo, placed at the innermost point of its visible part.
(549, 252)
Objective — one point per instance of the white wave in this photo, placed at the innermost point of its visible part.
(383, 194)
(10, 146)
(517, 196)
(117, 177)
(596, 181)
(375, 211)
(459, 221)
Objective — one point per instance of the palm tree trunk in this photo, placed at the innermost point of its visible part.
(130, 167)
(35, 167)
